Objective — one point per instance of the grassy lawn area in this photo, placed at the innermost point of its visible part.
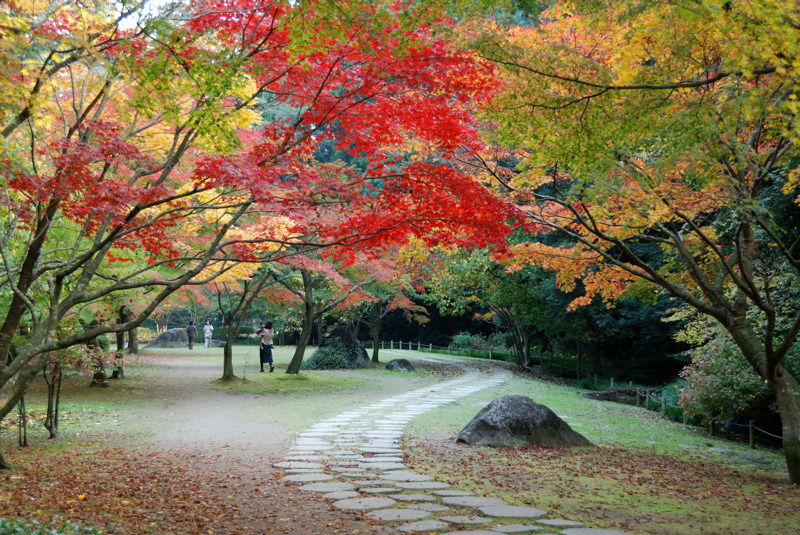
(645, 475)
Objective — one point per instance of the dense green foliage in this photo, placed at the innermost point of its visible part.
(334, 356)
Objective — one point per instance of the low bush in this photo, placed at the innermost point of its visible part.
(331, 357)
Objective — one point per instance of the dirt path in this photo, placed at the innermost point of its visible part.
(216, 436)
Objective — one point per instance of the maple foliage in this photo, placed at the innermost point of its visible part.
(143, 153)
(654, 140)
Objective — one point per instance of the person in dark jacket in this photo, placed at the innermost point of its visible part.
(191, 332)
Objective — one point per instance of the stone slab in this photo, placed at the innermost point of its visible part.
(364, 504)
(327, 487)
(591, 531)
(560, 523)
(341, 495)
(472, 501)
(414, 498)
(421, 485)
(394, 515)
(405, 475)
(380, 490)
(450, 492)
(511, 511)
(382, 466)
(305, 478)
(422, 526)
(381, 459)
(516, 528)
(298, 465)
(432, 507)
(465, 519)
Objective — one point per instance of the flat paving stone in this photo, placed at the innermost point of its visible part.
(394, 515)
(327, 487)
(414, 498)
(516, 528)
(305, 458)
(303, 478)
(341, 495)
(364, 504)
(405, 475)
(380, 490)
(472, 501)
(560, 523)
(372, 449)
(382, 466)
(469, 532)
(421, 485)
(592, 531)
(465, 519)
(511, 511)
(381, 459)
(423, 526)
(296, 465)
(450, 492)
(432, 507)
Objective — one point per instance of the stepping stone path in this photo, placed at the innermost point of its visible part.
(355, 460)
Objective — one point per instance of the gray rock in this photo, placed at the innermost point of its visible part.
(514, 421)
(172, 338)
(400, 365)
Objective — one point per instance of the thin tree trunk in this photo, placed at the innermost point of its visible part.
(376, 332)
(302, 343)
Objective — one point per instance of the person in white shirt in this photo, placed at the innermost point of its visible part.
(208, 329)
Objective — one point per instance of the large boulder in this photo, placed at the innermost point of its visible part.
(171, 338)
(356, 353)
(514, 421)
(400, 365)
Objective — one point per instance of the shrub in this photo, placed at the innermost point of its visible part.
(721, 384)
(465, 340)
(20, 527)
(335, 356)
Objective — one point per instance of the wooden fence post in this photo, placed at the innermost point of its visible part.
(752, 434)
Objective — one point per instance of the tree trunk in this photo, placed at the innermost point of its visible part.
(305, 336)
(376, 332)
(133, 341)
(787, 394)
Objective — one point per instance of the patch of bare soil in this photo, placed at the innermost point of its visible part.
(211, 436)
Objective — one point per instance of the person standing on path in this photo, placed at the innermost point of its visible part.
(208, 329)
(191, 332)
(265, 336)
